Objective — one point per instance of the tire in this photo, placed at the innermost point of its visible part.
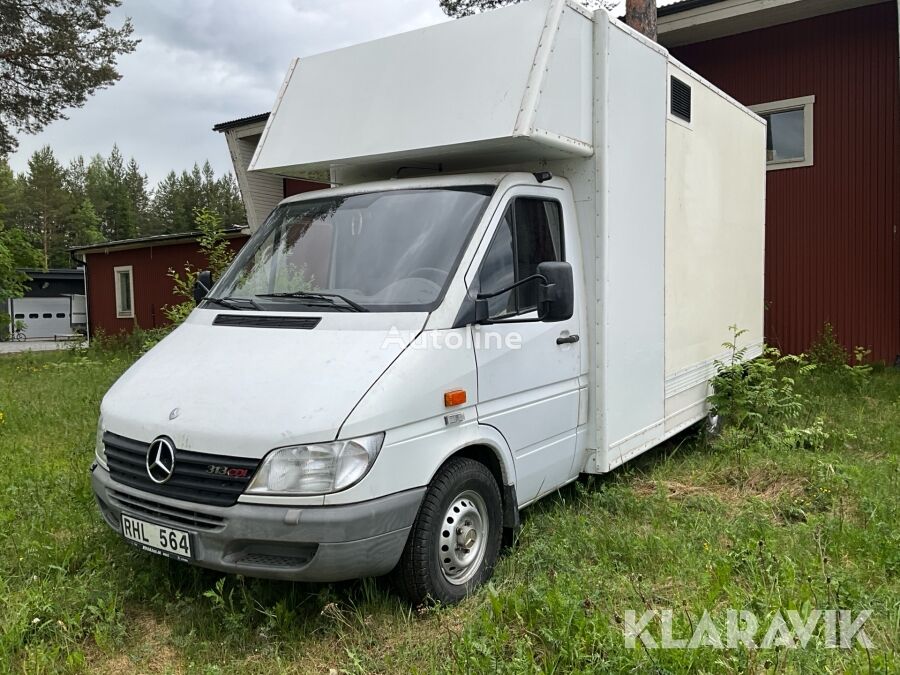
(435, 565)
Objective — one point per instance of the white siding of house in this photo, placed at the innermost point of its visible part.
(261, 192)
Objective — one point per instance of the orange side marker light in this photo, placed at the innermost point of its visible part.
(454, 398)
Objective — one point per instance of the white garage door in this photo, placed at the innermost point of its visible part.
(43, 317)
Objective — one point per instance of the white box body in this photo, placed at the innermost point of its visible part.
(671, 213)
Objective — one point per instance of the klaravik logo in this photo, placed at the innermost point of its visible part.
(742, 628)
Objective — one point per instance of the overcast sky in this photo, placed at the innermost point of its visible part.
(201, 62)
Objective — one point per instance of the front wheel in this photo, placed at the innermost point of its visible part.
(455, 539)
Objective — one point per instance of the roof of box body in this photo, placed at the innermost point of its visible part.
(155, 240)
(423, 107)
(691, 21)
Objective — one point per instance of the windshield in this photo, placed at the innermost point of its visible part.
(380, 251)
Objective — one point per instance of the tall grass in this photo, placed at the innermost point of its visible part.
(695, 525)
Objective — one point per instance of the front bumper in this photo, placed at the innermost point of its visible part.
(319, 543)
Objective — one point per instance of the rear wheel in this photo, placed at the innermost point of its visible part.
(455, 539)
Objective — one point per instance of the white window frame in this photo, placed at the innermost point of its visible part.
(120, 314)
(804, 103)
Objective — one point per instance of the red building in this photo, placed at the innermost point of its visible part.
(127, 282)
(825, 75)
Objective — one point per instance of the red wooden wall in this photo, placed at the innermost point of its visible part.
(832, 241)
(294, 186)
(152, 286)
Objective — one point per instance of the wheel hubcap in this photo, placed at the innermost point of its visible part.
(463, 537)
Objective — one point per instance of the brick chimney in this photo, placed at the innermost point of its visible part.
(641, 15)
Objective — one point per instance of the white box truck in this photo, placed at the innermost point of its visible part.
(540, 229)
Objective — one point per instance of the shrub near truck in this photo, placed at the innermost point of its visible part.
(582, 215)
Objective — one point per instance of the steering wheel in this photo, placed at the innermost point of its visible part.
(432, 274)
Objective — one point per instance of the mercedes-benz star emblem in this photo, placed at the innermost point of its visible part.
(160, 460)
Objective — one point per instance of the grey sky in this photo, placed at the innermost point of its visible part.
(206, 61)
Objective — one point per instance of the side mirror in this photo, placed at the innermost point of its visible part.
(556, 297)
(202, 285)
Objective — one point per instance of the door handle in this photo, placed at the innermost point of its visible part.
(567, 340)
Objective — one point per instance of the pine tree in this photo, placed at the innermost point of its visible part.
(121, 219)
(75, 179)
(138, 197)
(84, 225)
(53, 55)
(47, 204)
(178, 197)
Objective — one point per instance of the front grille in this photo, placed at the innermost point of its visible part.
(191, 479)
(169, 514)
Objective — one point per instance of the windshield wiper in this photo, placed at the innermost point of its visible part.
(321, 297)
(230, 302)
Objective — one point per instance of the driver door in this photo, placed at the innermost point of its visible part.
(528, 370)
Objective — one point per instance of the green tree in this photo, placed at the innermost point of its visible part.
(15, 249)
(118, 192)
(53, 55)
(138, 196)
(48, 206)
(16, 252)
(167, 205)
(178, 198)
(12, 199)
(120, 219)
(84, 224)
(11, 281)
(75, 179)
(23, 253)
(461, 8)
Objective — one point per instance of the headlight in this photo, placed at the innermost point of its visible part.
(99, 448)
(317, 468)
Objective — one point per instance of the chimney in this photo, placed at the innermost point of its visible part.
(641, 15)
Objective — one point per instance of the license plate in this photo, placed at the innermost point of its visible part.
(157, 539)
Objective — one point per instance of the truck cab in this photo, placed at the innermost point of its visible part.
(370, 346)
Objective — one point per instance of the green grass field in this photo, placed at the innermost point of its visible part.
(687, 527)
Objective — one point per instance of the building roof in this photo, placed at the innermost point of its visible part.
(683, 6)
(691, 21)
(241, 121)
(58, 273)
(155, 240)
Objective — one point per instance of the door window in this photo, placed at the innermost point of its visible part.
(529, 233)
